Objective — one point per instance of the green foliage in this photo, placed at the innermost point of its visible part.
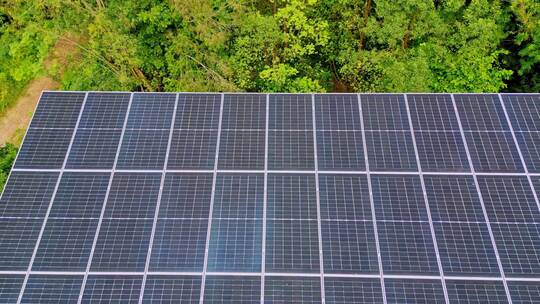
(7, 157)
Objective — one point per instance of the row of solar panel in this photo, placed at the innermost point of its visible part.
(292, 243)
(291, 143)
(235, 289)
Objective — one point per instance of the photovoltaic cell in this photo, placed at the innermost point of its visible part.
(290, 112)
(407, 248)
(493, 152)
(52, 289)
(229, 289)
(349, 247)
(143, 149)
(476, 292)
(290, 150)
(509, 199)
(413, 291)
(18, 238)
(453, 198)
(292, 246)
(172, 289)
(529, 143)
(179, 245)
(465, 248)
(57, 110)
(344, 197)
(235, 245)
(481, 112)
(104, 111)
(353, 290)
(524, 292)
(186, 195)
(112, 289)
(337, 112)
(441, 151)
(239, 196)
(28, 194)
(80, 195)
(94, 149)
(519, 248)
(340, 150)
(292, 290)
(242, 150)
(198, 111)
(10, 286)
(192, 149)
(122, 245)
(65, 245)
(133, 195)
(432, 112)
(384, 112)
(390, 151)
(44, 149)
(291, 196)
(244, 111)
(398, 198)
(151, 111)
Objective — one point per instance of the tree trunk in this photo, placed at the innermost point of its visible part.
(367, 9)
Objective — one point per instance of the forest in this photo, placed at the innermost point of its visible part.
(272, 45)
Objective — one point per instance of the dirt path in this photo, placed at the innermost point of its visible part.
(14, 122)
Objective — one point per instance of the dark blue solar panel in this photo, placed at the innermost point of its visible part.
(509, 199)
(122, 245)
(151, 111)
(242, 150)
(340, 150)
(172, 289)
(352, 290)
(44, 148)
(179, 245)
(235, 245)
(291, 150)
(198, 111)
(57, 110)
(104, 111)
(519, 248)
(133, 195)
(493, 152)
(239, 196)
(244, 111)
(228, 289)
(523, 111)
(390, 151)
(344, 197)
(28, 194)
(481, 112)
(434, 112)
(292, 290)
(453, 198)
(80, 194)
(476, 292)
(441, 151)
(112, 289)
(349, 247)
(466, 248)
(384, 112)
(94, 149)
(414, 291)
(291, 196)
(10, 287)
(290, 112)
(52, 289)
(407, 248)
(529, 143)
(337, 112)
(292, 246)
(192, 149)
(143, 149)
(186, 195)
(524, 292)
(65, 245)
(398, 198)
(18, 238)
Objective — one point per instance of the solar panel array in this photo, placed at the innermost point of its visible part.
(275, 198)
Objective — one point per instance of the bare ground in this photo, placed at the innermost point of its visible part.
(16, 119)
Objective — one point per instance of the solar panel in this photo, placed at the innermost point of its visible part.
(274, 198)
